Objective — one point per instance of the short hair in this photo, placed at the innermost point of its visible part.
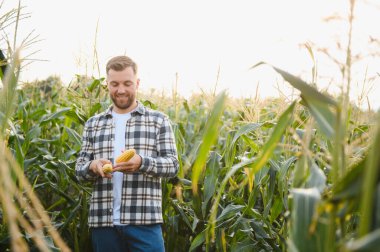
(119, 63)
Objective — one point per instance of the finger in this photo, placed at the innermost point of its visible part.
(100, 169)
(104, 161)
(108, 175)
(130, 169)
(121, 164)
(119, 169)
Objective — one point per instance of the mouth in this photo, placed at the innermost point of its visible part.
(122, 97)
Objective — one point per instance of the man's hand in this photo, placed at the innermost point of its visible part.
(131, 166)
(96, 167)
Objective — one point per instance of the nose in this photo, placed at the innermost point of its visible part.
(121, 90)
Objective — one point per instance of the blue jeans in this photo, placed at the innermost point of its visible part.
(128, 238)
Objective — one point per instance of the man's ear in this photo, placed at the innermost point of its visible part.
(138, 83)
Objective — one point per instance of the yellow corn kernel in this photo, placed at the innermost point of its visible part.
(125, 156)
(107, 168)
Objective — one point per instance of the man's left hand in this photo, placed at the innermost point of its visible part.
(131, 166)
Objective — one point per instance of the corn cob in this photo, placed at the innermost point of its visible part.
(107, 168)
(125, 156)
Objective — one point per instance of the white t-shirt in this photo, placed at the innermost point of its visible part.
(120, 121)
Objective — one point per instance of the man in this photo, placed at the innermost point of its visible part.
(125, 208)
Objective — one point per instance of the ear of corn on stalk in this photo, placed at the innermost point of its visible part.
(107, 168)
(125, 156)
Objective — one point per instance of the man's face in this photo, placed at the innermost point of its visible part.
(122, 87)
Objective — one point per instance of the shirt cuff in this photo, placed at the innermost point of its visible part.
(146, 164)
(89, 173)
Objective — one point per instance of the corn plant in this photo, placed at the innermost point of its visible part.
(45, 141)
(242, 185)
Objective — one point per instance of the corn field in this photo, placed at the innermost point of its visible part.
(272, 175)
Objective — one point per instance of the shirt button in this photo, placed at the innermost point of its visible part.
(110, 210)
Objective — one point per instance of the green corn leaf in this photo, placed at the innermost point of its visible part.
(271, 144)
(269, 197)
(54, 115)
(350, 185)
(198, 240)
(244, 246)
(369, 242)
(277, 208)
(371, 176)
(74, 136)
(19, 142)
(209, 137)
(211, 177)
(229, 211)
(94, 84)
(319, 104)
(306, 89)
(8, 93)
(245, 130)
(185, 218)
(214, 209)
(95, 108)
(258, 163)
(258, 228)
(304, 206)
(325, 118)
(316, 178)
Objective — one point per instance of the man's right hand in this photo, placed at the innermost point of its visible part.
(96, 167)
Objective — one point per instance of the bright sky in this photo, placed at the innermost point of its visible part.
(195, 38)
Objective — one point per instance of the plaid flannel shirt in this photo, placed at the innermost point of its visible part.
(147, 131)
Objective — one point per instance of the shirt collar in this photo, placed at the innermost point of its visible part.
(140, 109)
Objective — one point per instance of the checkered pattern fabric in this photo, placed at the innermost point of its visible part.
(148, 132)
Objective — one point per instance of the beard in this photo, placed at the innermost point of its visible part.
(123, 102)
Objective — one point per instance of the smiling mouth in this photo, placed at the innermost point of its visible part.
(122, 97)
